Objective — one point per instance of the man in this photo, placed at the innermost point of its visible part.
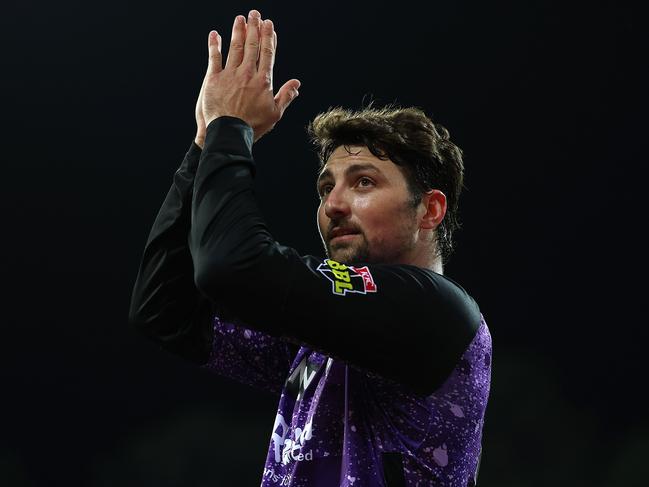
(382, 365)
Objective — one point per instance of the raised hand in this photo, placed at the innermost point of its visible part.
(244, 88)
(200, 120)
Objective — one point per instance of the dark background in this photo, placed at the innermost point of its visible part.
(546, 98)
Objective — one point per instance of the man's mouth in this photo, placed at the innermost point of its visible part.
(342, 234)
(343, 238)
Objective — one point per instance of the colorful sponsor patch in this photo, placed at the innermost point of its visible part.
(347, 279)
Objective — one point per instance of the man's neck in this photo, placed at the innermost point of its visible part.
(426, 259)
(427, 262)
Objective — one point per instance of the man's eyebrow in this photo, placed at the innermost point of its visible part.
(354, 168)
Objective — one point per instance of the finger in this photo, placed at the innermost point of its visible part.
(267, 53)
(274, 48)
(251, 50)
(215, 63)
(235, 53)
(286, 94)
(261, 25)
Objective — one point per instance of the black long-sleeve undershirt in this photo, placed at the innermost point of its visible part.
(406, 323)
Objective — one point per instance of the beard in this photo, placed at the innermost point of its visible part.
(380, 251)
(350, 252)
(392, 250)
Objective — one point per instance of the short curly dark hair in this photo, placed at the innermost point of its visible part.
(410, 139)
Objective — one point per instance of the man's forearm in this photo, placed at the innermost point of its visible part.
(165, 305)
(221, 218)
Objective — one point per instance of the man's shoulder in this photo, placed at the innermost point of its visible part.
(439, 292)
(446, 292)
(438, 287)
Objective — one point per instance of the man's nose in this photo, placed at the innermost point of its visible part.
(336, 205)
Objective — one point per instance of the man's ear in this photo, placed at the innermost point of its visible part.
(434, 202)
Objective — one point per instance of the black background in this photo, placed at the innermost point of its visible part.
(548, 101)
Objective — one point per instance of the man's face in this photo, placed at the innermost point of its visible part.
(365, 213)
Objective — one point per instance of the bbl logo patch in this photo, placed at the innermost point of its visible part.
(347, 279)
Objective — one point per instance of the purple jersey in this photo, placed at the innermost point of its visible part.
(337, 425)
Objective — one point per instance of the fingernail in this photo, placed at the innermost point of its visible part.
(253, 14)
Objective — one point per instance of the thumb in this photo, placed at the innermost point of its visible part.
(286, 94)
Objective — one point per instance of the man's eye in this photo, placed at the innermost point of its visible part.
(366, 181)
(363, 182)
(325, 189)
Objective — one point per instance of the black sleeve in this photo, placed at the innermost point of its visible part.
(165, 304)
(403, 322)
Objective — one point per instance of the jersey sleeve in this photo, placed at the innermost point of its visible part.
(403, 322)
(167, 308)
(249, 356)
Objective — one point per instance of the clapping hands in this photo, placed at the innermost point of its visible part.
(244, 87)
